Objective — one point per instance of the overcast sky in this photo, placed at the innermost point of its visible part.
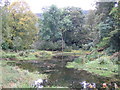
(37, 5)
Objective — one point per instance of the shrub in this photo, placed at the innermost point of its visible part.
(47, 45)
(45, 53)
(115, 58)
(93, 56)
(104, 42)
(68, 49)
(9, 56)
(59, 45)
(5, 46)
(104, 60)
(79, 60)
(87, 46)
(75, 47)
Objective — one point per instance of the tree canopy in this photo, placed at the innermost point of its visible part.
(19, 25)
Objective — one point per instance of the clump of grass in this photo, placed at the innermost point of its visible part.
(81, 60)
(104, 60)
(43, 54)
(94, 55)
(2, 53)
(77, 52)
(33, 55)
(8, 54)
(27, 57)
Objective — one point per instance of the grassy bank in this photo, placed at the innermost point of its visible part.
(37, 54)
(26, 55)
(96, 63)
(14, 77)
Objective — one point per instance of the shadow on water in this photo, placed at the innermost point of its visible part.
(58, 74)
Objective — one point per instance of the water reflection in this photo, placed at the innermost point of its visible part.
(59, 75)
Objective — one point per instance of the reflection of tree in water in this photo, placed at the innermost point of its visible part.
(27, 66)
(60, 75)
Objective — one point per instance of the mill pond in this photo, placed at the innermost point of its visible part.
(59, 75)
(60, 47)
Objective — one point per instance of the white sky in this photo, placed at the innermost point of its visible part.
(37, 5)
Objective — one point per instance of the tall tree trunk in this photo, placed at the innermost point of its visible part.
(62, 46)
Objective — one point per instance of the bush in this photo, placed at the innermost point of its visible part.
(68, 49)
(115, 58)
(78, 60)
(110, 50)
(5, 46)
(115, 40)
(22, 54)
(75, 47)
(9, 56)
(104, 42)
(59, 45)
(45, 53)
(87, 46)
(104, 60)
(49, 45)
(93, 56)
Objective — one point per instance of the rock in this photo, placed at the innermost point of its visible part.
(40, 83)
(105, 69)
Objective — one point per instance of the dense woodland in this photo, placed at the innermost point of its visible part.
(70, 26)
(93, 36)
(57, 28)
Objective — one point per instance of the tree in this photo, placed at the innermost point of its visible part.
(115, 13)
(90, 20)
(50, 24)
(104, 21)
(108, 25)
(23, 24)
(74, 34)
(103, 9)
(90, 26)
(6, 29)
(115, 33)
(64, 24)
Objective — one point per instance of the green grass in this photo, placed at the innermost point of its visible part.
(27, 55)
(107, 69)
(38, 54)
(8, 54)
(14, 77)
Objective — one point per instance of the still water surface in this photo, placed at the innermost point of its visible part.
(58, 74)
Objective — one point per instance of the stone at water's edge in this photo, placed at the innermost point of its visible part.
(40, 83)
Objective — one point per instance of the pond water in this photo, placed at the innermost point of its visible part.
(58, 74)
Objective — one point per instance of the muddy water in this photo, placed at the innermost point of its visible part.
(58, 74)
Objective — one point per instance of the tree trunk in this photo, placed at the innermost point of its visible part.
(62, 46)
